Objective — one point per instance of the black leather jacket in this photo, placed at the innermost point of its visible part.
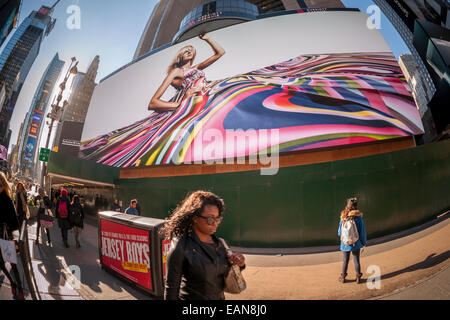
(8, 217)
(194, 272)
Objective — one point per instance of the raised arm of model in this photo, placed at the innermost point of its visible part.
(175, 76)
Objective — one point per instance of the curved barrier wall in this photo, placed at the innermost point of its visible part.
(300, 206)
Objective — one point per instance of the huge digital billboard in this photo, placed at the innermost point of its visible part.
(292, 82)
(69, 142)
(30, 145)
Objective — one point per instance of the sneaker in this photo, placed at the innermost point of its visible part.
(342, 278)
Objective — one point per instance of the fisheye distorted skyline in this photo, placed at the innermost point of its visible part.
(112, 29)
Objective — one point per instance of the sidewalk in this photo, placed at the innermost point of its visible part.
(411, 263)
(403, 262)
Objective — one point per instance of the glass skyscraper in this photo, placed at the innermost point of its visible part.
(408, 37)
(164, 22)
(35, 118)
(17, 58)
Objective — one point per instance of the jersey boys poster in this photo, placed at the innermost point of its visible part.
(126, 250)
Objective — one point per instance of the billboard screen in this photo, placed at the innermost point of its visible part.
(126, 250)
(35, 124)
(30, 149)
(3, 153)
(287, 83)
(69, 142)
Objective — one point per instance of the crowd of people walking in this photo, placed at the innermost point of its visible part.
(191, 228)
(68, 212)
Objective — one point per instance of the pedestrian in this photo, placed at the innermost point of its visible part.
(22, 210)
(197, 262)
(352, 214)
(62, 213)
(115, 206)
(52, 194)
(76, 218)
(57, 194)
(138, 207)
(44, 212)
(132, 208)
(105, 203)
(97, 203)
(8, 224)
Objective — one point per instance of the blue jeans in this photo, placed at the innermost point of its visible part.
(346, 256)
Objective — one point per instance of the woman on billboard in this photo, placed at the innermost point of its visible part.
(186, 78)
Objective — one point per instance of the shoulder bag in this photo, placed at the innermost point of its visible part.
(8, 247)
(234, 281)
(47, 221)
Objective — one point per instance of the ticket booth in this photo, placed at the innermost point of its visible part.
(131, 249)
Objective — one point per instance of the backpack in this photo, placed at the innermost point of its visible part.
(349, 232)
(75, 216)
(62, 209)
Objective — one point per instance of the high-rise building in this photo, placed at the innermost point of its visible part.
(13, 163)
(169, 16)
(76, 110)
(9, 13)
(424, 26)
(35, 118)
(2, 95)
(415, 80)
(404, 30)
(17, 59)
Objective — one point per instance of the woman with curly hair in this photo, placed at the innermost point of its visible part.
(21, 203)
(351, 212)
(197, 262)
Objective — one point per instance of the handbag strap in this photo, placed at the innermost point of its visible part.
(227, 248)
(5, 232)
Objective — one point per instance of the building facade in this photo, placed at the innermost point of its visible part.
(83, 87)
(167, 16)
(408, 36)
(9, 13)
(35, 118)
(17, 59)
(415, 80)
(423, 25)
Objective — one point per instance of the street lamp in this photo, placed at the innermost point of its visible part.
(56, 112)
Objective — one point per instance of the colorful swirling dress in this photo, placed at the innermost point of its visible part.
(311, 101)
(124, 147)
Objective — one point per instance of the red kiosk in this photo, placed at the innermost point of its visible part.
(130, 248)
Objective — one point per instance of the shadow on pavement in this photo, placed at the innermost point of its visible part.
(86, 258)
(53, 277)
(431, 261)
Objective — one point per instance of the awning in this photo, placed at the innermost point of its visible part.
(58, 180)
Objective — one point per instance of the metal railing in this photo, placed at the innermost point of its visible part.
(25, 258)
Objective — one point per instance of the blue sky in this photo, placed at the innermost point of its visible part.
(112, 29)
(109, 28)
(387, 30)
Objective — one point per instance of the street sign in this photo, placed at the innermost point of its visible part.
(45, 153)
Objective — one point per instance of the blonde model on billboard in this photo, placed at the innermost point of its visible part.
(187, 78)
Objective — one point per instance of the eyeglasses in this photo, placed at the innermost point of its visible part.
(211, 221)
